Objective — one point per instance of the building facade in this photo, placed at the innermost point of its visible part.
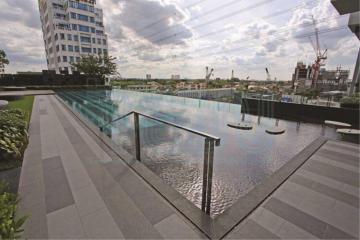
(71, 29)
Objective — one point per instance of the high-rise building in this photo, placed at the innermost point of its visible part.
(71, 29)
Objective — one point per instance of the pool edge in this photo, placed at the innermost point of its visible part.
(224, 223)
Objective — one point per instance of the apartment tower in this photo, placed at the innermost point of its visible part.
(71, 29)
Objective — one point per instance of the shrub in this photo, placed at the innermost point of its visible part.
(10, 224)
(353, 99)
(13, 133)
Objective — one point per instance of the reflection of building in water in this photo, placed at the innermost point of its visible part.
(328, 80)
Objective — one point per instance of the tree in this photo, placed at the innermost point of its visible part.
(3, 61)
(96, 66)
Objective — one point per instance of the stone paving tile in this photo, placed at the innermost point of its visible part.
(35, 226)
(182, 231)
(291, 231)
(78, 178)
(57, 190)
(336, 173)
(344, 145)
(267, 219)
(303, 220)
(341, 149)
(31, 187)
(65, 223)
(326, 190)
(337, 156)
(328, 182)
(100, 224)
(88, 200)
(252, 230)
(338, 164)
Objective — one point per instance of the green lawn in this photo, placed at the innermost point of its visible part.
(25, 104)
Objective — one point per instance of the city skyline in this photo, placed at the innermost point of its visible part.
(225, 36)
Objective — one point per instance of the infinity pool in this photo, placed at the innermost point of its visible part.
(243, 160)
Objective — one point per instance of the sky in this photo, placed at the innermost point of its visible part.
(166, 37)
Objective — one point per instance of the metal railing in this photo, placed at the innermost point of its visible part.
(210, 143)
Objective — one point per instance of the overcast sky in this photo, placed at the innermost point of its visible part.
(164, 37)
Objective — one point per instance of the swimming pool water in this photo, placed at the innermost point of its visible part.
(243, 160)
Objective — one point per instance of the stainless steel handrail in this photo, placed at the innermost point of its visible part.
(206, 135)
(210, 142)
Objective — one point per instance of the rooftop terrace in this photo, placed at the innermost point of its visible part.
(73, 185)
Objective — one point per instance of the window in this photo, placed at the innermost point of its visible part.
(85, 39)
(70, 48)
(74, 27)
(57, 48)
(56, 37)
(99, 41)
(99, 32)
(93, 40)
(64, 58)
(76, 38)
(105, 51)
(84, 28)
(92, 19)
(62, 36)
(73, 15)
(63, 47)
(77, 59)
(94, 50)
(69, 37)
(99, 51)
(71, 59)
(85, 50)
(83, 17)
(77, 49)
(93, 30)
(104, 41)
(58, 59)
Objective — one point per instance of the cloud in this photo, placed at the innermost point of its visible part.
(158, 22)
(25, 12)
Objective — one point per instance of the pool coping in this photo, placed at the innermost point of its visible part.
(221, 225)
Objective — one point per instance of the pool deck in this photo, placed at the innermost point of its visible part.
(73, 186)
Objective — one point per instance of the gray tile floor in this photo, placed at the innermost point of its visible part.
(71, 188)
(321, 200)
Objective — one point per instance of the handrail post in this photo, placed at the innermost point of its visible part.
(137, 136)
(210, 175)
(205, 175)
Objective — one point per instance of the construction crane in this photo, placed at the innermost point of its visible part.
(268, 76)
(320, 59)
(208, 74)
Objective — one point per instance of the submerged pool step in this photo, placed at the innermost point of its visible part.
(93, 116)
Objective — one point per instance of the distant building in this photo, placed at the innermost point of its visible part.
(175, 77)
(71, 29)
(149, 87)
(191, 86)
(148, 76)
(301, 76)
(328, 80)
